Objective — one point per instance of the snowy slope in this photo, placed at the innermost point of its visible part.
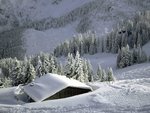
(119, 97)
(132, 72)
(63, 19)
(105, 60)
(100, 19)
(46, 41)
(39, 9)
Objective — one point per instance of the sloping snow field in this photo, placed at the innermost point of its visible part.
(132, 72)
(102, 19)
(126, 96)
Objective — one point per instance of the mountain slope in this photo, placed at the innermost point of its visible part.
(54, 21)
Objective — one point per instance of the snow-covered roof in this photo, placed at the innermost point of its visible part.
(49, 85)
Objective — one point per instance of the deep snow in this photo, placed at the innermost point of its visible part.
(124, 96)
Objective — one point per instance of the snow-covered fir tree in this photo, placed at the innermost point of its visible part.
(99, 72)
(85, 71)
(78, 68)
(69, 67)
(52, 64)
(38, 67)
(124, 57)
(135, 54)
(110, 76)
(104, 75)
(90, 71)
(16, 73)
(45, 63)
(29, 73)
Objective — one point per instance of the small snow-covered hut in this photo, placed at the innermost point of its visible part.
(53, 86)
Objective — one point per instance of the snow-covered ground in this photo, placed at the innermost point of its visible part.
(46, 41)
(135, 71)
(126, 96)
(105, 60)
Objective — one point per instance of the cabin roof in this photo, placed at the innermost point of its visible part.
(49, 84)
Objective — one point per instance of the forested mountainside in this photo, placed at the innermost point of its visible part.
(42, 25)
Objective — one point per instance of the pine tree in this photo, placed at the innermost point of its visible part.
(60, 69)
(110, 76)
(53, 65)
(16, 73)
(135, 55)
(103, 78)
(38, 67)
(128, 56)
(125, 57)
(69, 67)
(85, 71)
(45, 63)
(78, 73)
(90, 71)
(29, 73)
(99, 73)
(66, 48)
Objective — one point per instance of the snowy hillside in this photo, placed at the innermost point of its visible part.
(59, 20)
(119, 97)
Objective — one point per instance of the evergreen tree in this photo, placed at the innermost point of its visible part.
(135, 55)
(110, 76)
(38, 67)
(29, 73)
(85, 71)
(69, 67)
(45, 63)
(60, 69)
(103, 78)
(78, 66)
(99, 73)
(53, 65)
(90, 71)
(16, 73)
(125, 57)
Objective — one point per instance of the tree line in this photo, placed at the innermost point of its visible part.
(127, 57)
(132, 32)
(15, 72)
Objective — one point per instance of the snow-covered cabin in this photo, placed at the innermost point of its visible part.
(53, 86)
